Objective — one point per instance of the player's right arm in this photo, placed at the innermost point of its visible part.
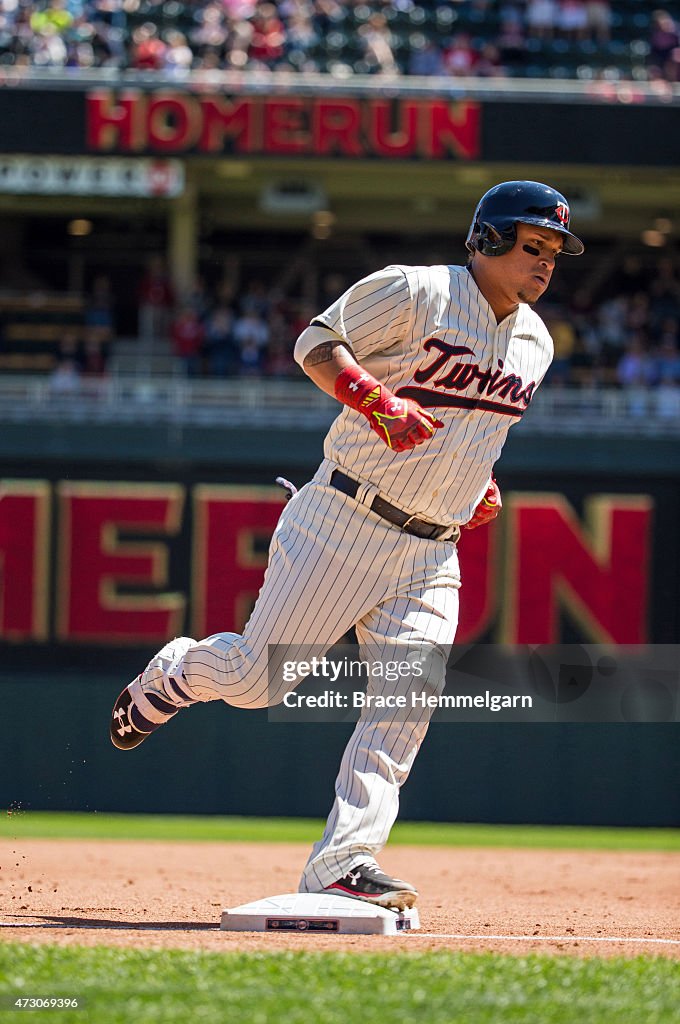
(400, 423)
(327, 356)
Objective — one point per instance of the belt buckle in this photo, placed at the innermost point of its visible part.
(451, 533)
(440, 533)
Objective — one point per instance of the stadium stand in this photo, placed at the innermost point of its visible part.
(558, 39)
(624, 335)
(36, 328)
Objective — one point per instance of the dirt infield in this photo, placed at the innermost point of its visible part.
(170, 895)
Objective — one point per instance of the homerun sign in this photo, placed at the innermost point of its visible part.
(118, 563)
(380, 121)
(175, 122)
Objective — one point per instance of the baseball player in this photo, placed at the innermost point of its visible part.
(432, 366)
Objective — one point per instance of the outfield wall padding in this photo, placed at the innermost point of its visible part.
(56, 755)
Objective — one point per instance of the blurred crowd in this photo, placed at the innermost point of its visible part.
(630, 338)
(209, 332)
(215, 332)
(486, 38)
(627, 336)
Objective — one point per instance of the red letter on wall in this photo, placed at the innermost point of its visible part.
(454, 129)
(398, 140)
(222, 119)
(232, 530)
(115, 123)
(24, 559)
(110, 589)
(337, 127)
(285, 129)
(174, 123)
(477, 550)
(599, 574)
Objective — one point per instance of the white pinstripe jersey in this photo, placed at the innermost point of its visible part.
(429, 334)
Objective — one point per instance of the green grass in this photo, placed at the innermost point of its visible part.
(41, 824)
(145, 986)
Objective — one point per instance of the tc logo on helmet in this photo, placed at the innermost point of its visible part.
(562, 213)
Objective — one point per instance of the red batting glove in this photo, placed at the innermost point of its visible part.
(488, 508)
(399, 422)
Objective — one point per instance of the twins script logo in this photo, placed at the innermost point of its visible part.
(446, 371)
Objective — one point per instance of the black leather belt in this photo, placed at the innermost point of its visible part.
(409, 524)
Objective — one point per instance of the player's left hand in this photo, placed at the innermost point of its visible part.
(488, 508)
(402, 424)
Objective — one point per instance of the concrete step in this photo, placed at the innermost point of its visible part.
(141, 357)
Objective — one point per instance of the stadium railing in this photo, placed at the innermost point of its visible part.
(255, 82)
(653, 412)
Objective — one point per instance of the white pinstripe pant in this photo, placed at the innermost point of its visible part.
(334, 564)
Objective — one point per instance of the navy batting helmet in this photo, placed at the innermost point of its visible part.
(493, 230)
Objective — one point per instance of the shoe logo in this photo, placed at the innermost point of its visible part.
(354, 876)
(123, 727)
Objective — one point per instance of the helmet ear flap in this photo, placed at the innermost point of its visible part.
(490, 241)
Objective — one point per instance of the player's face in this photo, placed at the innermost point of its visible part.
(529, 265)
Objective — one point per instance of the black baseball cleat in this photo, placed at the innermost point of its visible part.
(153, 698)
(369, 883)
(128, 726)
(137, 714)
(124, 734)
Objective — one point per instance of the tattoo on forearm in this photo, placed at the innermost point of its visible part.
(323, 353)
